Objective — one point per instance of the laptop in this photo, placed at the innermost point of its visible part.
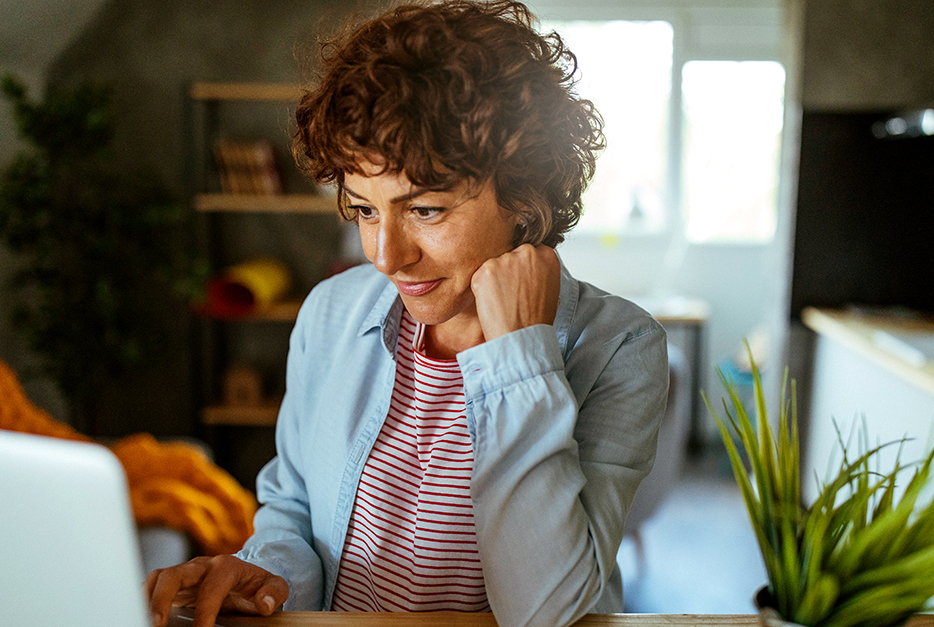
(69, 554)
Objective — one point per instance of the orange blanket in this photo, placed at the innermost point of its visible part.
(171, 484)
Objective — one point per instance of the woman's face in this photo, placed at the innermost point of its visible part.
(429, 243)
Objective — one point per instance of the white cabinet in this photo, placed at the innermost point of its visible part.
(856, 379)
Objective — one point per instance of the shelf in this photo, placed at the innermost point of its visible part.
(284, 311)
(281, 311)
(261, 416)
(272, 203)
(255, 92)
(208, 111)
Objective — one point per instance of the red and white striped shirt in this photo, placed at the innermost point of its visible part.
(411, 543)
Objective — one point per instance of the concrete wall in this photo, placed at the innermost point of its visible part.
(868, 54)
(149, 52)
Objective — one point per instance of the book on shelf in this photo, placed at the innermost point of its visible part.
(247, 167)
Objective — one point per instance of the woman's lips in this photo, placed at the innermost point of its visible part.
(416, 288)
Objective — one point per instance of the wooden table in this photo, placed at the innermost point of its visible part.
(456, 619)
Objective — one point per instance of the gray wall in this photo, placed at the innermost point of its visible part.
(863, 55)
(149, 52)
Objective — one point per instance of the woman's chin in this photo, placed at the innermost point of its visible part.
(426, 315)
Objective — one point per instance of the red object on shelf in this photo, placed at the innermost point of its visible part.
(228, 298)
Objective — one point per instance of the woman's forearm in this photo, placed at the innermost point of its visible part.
(554, 475)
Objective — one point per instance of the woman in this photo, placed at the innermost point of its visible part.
(465, 424)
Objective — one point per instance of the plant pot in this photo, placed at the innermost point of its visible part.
(768, 615)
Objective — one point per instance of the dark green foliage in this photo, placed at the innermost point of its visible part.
(103, 252)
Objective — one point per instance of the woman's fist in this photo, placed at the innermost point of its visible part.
(518, 289)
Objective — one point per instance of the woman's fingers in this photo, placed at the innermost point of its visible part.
(220, 580)
(234, 585)
(163, 587)
(212, 585)
(272, 594)
(267, 599)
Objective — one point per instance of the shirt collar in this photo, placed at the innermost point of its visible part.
(386, 314)
(567, 307)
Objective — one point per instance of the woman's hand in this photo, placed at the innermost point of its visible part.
(517, 289)
(212, 585)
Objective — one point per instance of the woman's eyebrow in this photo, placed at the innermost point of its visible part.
(415, 193)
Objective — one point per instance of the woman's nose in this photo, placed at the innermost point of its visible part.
(395, 249)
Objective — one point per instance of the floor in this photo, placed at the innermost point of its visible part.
(700, 553)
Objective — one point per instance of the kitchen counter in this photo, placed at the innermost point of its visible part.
(868, 368)
(903, 345)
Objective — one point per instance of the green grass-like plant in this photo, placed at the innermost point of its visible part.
(853, 557)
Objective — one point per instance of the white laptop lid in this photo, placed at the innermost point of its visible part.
(68, 549)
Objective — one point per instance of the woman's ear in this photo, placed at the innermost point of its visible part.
(523, 217)
(521, 232)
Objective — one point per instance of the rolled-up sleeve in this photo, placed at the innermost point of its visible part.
(282, 539)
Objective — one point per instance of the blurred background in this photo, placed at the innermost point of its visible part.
(767, 177)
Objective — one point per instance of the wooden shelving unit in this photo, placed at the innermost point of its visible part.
(256, 203)
(206, 102)
(247, 92)
(220, 415)
(282, 311)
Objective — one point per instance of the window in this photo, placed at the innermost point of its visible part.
(710, 168)
(731, 143)
(632, 90)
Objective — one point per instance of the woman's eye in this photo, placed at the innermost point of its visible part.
(363, 211)
(427, 212)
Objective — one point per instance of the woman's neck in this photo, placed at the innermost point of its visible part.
(445, 340)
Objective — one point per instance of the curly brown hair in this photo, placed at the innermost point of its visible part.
(453, 91)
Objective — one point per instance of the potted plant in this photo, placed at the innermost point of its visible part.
(857, 555)
(101, 252)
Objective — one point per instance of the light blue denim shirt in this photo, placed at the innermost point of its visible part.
(563, 419)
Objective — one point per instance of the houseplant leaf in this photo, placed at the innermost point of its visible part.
(856, 556)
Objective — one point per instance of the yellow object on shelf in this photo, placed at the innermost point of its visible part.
(267, 279)
(249, 287)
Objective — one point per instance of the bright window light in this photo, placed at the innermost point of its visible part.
(625, 70)
(732, 129)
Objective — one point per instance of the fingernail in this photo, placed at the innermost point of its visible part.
(156, 618)
(269, 602)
